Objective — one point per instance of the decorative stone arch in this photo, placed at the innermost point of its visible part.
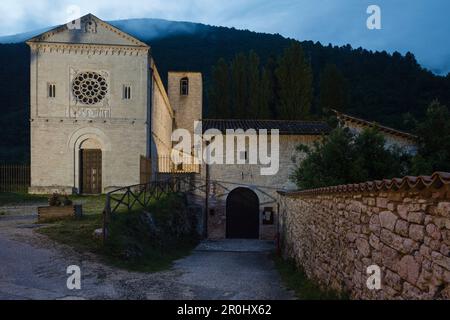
(86, 137)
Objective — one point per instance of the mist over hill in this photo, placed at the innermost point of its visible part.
(382, 87)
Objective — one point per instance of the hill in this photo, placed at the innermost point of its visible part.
(383, 87)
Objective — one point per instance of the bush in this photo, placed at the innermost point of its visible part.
(54, 200)
(343, 157)
(141, 239)
(434, 141)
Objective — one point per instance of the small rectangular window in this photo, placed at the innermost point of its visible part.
(243, 155)
(268, 215)
(126, 92)
(184, 86)
(51, 90)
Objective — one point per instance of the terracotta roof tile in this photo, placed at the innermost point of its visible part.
(437, 179)
(285, 127)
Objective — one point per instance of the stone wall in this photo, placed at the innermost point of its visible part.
(227, 177)
(403, 226)
(162, 118)
(60, 124)
(187, 108)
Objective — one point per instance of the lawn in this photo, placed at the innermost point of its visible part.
(16, 198)
(295, 279)
(130, 245)
(91, 204)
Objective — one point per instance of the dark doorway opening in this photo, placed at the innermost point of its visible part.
(242, 214)
(91, 171)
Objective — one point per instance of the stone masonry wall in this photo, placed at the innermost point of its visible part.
(335, 236)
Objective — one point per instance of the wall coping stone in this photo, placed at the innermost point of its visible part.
(436, 180)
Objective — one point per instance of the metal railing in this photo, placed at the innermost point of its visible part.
(14, 177)
(166, 165)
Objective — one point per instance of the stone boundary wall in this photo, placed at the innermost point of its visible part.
(403, 226)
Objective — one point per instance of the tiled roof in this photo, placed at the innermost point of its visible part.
(370, 124)
(285, 127)
(437, 180)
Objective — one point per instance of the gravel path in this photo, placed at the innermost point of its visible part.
(34, 267)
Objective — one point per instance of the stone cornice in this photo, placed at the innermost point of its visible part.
(73, 120)
(46, 35)
(78, 48)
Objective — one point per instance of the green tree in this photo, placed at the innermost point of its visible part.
(372, 160)
(239, 94)
(326, 163)
(254, 86)
(267, 95)
(219, 91)
(294, 75)
(333, 90)
(434, 141)
(343, 157)
(271, 83)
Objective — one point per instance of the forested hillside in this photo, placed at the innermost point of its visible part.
(376, 86)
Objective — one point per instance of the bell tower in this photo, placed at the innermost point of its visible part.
(185, 90)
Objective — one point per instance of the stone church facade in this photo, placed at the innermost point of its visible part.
(99, 108)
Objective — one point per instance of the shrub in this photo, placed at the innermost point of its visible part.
(343, 157)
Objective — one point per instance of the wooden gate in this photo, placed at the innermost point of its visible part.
(145, 170)
(91, 171)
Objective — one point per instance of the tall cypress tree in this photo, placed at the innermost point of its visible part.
(239, 86)
(219, 91)
(271, 83)
(294, 75)
(254, 86)
(333, 89)
(267, 95)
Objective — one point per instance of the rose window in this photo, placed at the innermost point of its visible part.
(89, 87)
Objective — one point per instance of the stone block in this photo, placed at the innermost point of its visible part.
(402, 227)
(416, 217)
(408, 269)
(416, 232)
(388, 220)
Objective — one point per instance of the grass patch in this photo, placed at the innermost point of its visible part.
(151, 243)
(295, 279)
(76, 233)
(14, 198)
(136, 242)
(91, 204)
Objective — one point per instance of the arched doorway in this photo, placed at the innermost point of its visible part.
(90, 167)
(242, 214)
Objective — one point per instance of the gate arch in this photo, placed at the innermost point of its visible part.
(242, 214)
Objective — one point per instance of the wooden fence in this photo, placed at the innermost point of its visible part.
(139, 196)
(14, 177)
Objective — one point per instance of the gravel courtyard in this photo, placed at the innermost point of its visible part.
(34, 267)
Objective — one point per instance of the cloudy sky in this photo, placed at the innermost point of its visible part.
(419, 26)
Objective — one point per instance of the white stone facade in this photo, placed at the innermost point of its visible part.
(119, 126)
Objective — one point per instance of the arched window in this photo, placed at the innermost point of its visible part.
(184, 86)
